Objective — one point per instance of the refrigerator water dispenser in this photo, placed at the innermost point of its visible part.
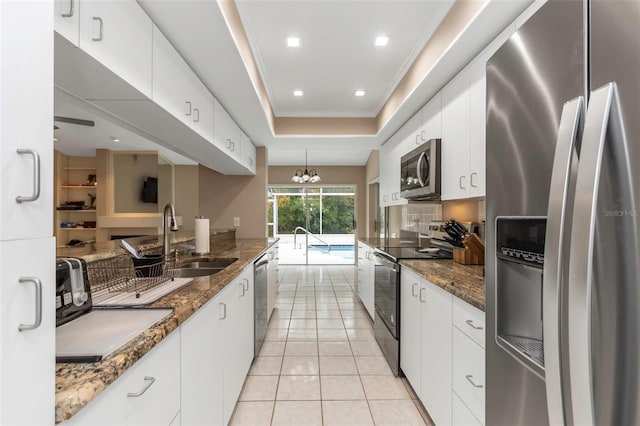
(519, 265)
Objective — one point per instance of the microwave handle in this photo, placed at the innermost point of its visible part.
(418, 168)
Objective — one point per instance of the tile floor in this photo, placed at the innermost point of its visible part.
(320, 363)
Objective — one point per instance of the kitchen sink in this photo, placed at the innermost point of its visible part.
(192, 272)
(201, 267)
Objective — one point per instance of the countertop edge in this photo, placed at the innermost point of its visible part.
(68, 401)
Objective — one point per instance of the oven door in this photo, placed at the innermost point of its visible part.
(386, 281)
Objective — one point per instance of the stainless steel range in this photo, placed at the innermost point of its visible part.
(387, 283)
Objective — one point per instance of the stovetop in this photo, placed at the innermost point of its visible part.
(406, 253)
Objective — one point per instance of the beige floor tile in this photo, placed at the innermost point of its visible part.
(332, 335)
(337, 365)
(306, 313)
(297, 413)
(355, 314)
(276, 335)
(346, 413)
(423, 412)
(366, 348)
(384, 387)
(266, 366)
(361, 335)
(334, 349)
(259, 388)
(272, 349)
(278, 323)
(409, 388)
(328, 314)
(303, 324)
(254, 413)
(395, 413)
(372, 365)
(300, 365)
(301, 349)
(357, 323)
(302, 335)
(283, 306)
(327, 307)
(278, 314)
(298, 388)
(330, 324)
(341, 388)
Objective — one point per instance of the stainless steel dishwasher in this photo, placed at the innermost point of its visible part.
(260, 301)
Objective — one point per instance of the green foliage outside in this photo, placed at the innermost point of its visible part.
(337, 214)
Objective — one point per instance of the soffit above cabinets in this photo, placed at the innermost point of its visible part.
(337, 53)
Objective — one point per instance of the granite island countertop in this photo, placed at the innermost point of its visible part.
(79, 383)
(463, 281)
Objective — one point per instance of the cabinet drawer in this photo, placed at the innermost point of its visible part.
(469, 320)
(462, 416)
(468, 372)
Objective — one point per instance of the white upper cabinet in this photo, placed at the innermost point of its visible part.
(432, 119)
(226, 133)
(26, 115)
(118, 34)
(248, 152)
(202, 103)
(383, 173)
(66, 19)
(171, 82)
(477, 128)
(455, 137)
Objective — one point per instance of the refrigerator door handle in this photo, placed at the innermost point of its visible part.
(603, 125)
(558, 213)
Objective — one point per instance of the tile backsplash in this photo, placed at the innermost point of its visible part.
(416, 217)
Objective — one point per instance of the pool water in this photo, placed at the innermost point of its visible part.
(346, 251)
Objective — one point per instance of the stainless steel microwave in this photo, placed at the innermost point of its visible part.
(420, 172)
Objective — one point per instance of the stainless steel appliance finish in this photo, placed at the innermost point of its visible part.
(563, 142)
(260, 282)
(420, 172)
(73, 294)
(386, 324)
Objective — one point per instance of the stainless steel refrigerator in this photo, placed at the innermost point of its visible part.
(563, 218)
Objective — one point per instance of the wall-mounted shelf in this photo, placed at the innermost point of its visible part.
(79, 168)
(77, 229)
(79, 186)
(76, 211)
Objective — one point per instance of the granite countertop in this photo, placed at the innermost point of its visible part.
(463, 281)
(79, 383)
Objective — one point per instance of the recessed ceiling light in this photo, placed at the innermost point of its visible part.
(382, 41)
(115, 139)
(293, 42)
(298, 93)
(360, 92)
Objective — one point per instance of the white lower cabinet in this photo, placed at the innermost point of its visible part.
(440, 352)
(147, 394)
(366, 278)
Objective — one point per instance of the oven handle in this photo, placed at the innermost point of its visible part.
(385, 261)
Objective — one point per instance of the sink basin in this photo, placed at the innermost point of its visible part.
(207, 264)
(192, 272)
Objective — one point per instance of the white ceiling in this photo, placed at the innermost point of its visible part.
(337, 54)
(82, 141)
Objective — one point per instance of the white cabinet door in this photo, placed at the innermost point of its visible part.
(410, 330)
(171, 82)
(248, 152)
(393, 171)
(27, 357)
(385, 199)
(201, 367)
(436, 352)
(477, 127)
(432, 119)
(26, 115)
(462, 416)
(469, 373)
(118, 34)
(455, 137)
(226, 134)
(66, 19)
(202, 117)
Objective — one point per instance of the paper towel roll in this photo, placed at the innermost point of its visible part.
(202, 235)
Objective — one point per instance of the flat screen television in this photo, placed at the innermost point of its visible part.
(150, 190)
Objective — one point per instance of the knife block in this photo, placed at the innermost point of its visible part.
(472, 253)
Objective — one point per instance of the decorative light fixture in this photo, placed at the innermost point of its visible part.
(310, 176)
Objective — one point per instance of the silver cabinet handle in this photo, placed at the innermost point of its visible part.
(38, 321)
(247, 283)
(188, 113)
(233, 146)
(418, 139)
(242, 287)
(150, 380)
(471, 179)
(224, 310)
(421, 293)
(469, 378)
(413, 288)
(101, 33)
(229, 144)
(423, 135)
(460, 182)
(555, 249)
(196, 112)
(36, 176)
(70, 13)
(470, 324)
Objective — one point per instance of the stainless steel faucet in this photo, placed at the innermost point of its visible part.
(166, 227)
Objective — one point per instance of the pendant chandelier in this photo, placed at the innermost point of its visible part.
(310, 176)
